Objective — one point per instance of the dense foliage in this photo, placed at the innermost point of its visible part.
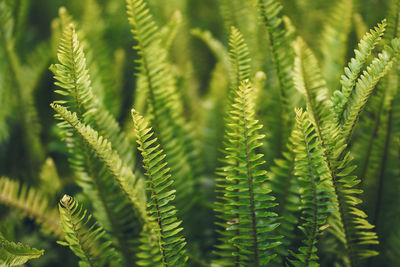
(200, 133)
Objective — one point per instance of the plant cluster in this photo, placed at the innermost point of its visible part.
(252, 146)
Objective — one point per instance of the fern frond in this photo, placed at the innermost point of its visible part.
(165, 106)
(117, 195)
(355, 66)
(32, 203)
(239, 57)
(314, 177)
(131, 187)
(171, 242)
(248, 204)
(84, 236)
(283, 57)
(240, 69)
(15, 254)
(365, 85)
(72, 77)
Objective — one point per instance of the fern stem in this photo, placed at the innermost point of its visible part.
(250, 178)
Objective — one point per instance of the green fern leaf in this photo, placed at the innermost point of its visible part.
(12, 254)
(76, 93)
(164, 102)
(356, 64)
(314, 177)
(245, 195)
(378, 68)
(111, 184)
(171, 242)
(85, 237)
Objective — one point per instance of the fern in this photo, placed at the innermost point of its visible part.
(171, 242)
(240, 69)
(353, 71)
(84, 237)
(33, 203)
(12, 254)
(365, 84)
(243, 185)
(163, 100)
(314, 177)
(113, 185)
(75, 90)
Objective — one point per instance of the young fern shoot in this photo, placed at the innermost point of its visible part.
(159, 184)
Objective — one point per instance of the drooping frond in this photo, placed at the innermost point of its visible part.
(117, 196)
(159, 184)
(365, 85)
(72, 77)
(247, 204)
(355, 66)
(165, 106)
(130, 186)
(283, 56)
(84, 236)
(314, 178)
(16, 254)
(334, 41)
(32, 203)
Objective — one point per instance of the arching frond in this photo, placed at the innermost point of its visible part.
(72, 77)
(32, 203)
(84, 236)
(15, 254)
(365, 85)
(159, 184)
(356, 65)
(117, 196)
